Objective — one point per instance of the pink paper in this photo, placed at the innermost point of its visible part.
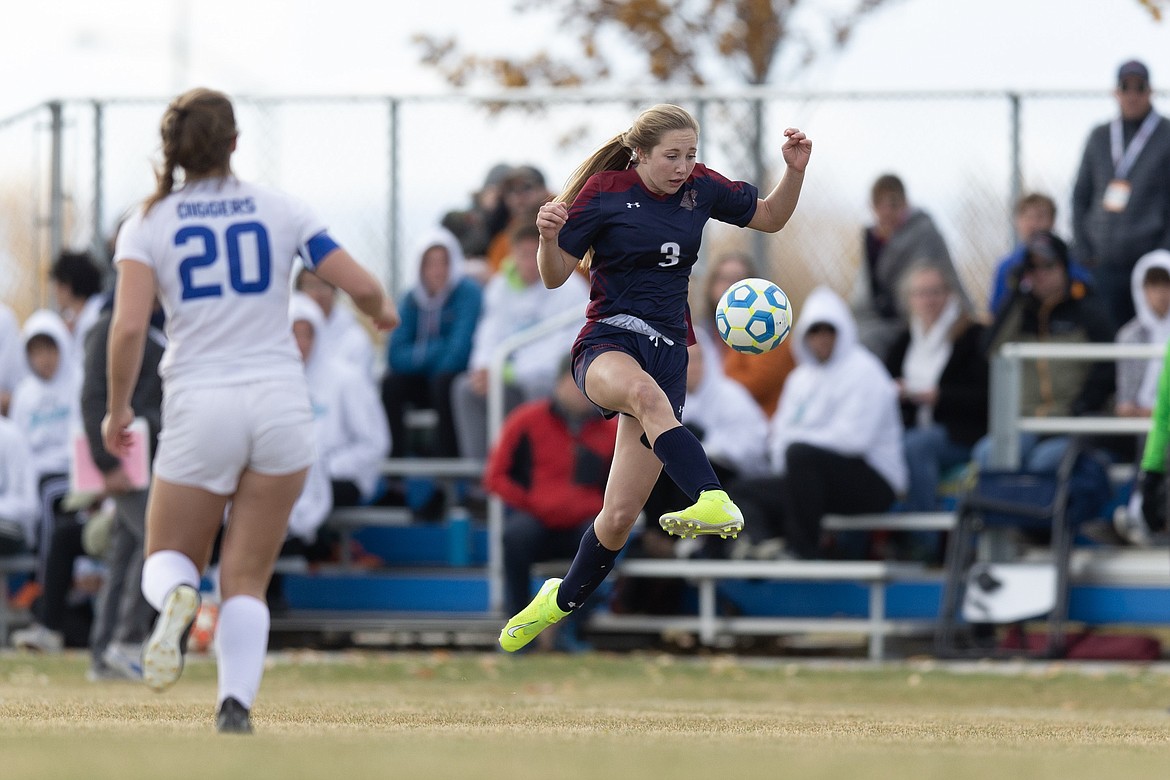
(84, 475)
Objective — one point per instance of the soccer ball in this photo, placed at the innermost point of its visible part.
(753, 316)
(202, 633)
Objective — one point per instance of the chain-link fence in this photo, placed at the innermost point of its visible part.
(383, 170)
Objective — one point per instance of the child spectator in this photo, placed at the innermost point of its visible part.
(44, 406)
(1137, 380)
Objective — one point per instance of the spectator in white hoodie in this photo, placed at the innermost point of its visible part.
(836, 437)
(1137, 379)
(515, 300)
(352, 434)
(45, 405)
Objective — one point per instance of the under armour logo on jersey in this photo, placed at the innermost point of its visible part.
(634, 205)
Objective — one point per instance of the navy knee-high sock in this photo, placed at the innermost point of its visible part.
(593, 563)
(683, 457)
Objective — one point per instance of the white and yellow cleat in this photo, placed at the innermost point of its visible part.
(162, 656)
(540, 613)
(714, 513)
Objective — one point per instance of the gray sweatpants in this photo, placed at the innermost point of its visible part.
(122, 614)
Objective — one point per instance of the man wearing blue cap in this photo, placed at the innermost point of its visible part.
(1121, 200)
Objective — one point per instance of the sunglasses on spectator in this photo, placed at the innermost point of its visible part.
(1134, 86)
(820, 327)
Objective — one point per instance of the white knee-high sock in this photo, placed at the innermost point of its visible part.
(162, 571)
(241, 642)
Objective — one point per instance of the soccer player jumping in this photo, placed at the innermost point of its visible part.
(633, 214)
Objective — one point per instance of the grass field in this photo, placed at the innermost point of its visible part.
(455, 715)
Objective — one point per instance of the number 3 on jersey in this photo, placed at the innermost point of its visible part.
(248, 257)
(670, 250)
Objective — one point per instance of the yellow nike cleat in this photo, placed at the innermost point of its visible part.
(713, 513)
(540, 613)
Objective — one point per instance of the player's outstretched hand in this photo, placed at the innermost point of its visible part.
(797, 149)
(550, 219)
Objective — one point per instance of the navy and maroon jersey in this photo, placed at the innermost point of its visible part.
(644, 245)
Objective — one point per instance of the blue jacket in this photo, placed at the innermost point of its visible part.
(412, 350)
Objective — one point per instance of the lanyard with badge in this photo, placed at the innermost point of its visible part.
(1117, 193)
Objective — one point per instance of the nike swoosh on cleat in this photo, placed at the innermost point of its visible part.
(512, 631)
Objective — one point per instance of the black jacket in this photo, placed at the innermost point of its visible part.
(146, 399)
(962, 386)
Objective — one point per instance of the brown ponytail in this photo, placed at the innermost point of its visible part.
(620, 152)
(198, 131)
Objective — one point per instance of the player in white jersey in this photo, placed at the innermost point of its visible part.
(237, 425)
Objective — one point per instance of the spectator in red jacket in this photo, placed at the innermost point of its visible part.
(549, 467)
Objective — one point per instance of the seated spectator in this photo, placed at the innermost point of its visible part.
(44, 406)
(549, 467)
(432, 345)
(19, 504)
(342, 335)
(900, 236)
(1137, 380)
(352, 436)
(941, 372)
(515, 300)
(1034, 212)
(835, 440)
(1048, 306)
(762, 375)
